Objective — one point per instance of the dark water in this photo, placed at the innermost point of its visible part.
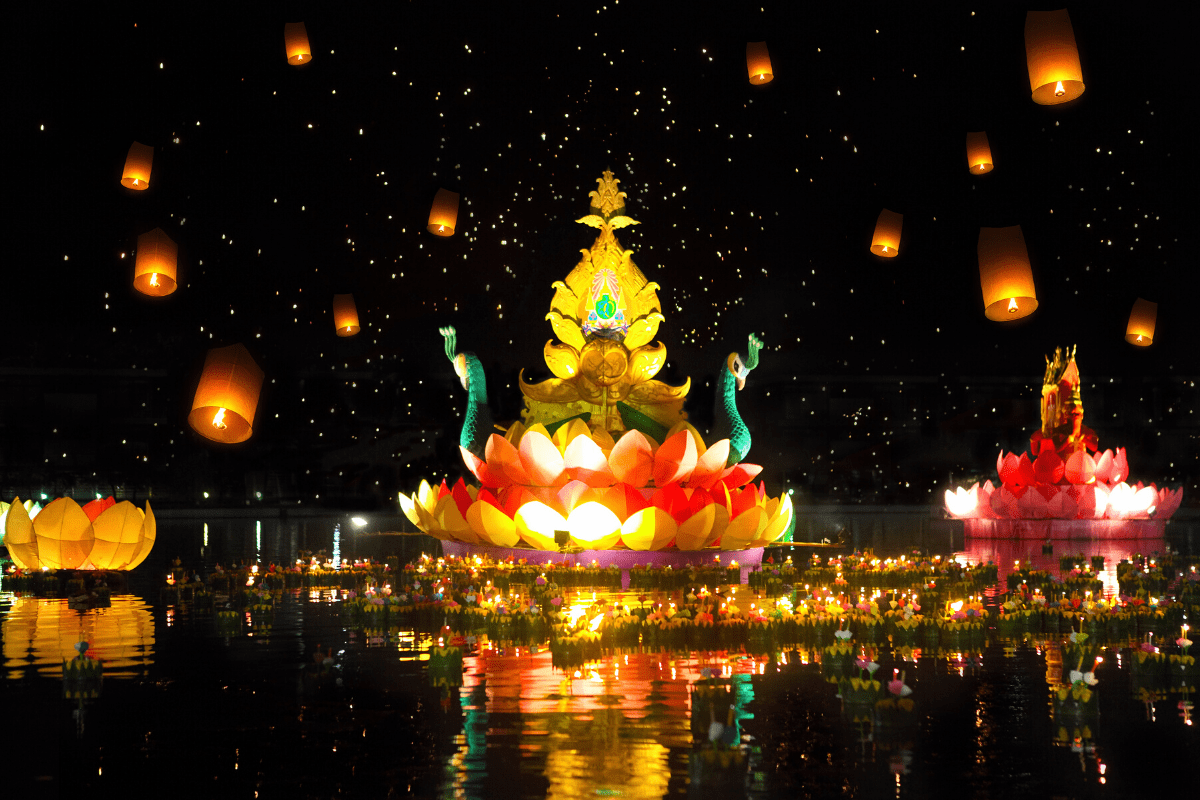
(187, 711)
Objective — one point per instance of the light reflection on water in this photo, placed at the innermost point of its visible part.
(40, 633)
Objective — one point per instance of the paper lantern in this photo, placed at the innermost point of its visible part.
(227, 397)
(345, 315)
(886, 241)
(979, 153)
(758, 63)
(1053, 58)
(295, 43)
(444, 213)
(1005, 275)
(1140, 330)
(137, 166)
(157, 259)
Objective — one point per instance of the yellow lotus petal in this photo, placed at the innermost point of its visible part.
(645, 362)
(568, 433)
(562, 359)
(648, 529)
(603, 439)
(493, 525)
(409, 506)
(64, 534)
(536, 524)
(684, 425)
(567, 330)
(149, 535)
(593, 527)
(720, 524)
(744, 529)
(118, 533)
(515, 432)
(585, 461)
(780, 518)
(632, 459)
(642, 331)
(451, 520)
(541, 459)
(20, 539)
(426, 495)
(694, 531)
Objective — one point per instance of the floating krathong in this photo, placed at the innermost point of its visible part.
(1067, 476)
(605, 457)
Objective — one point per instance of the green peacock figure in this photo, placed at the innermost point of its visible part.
(727, 421)
(477, 419)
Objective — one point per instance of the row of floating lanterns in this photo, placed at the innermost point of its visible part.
(1051, 56)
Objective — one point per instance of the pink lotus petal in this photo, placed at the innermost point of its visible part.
(1084, 497)
(569, 495)
(1048, 468)
(1033, 505)
(585, 461)
(1104, 466)
(541, 459)
(675, 459)
(1080, 468)
(632, 459)
(710, 465)
(1120, 466)
(485, 476)
(502, 457)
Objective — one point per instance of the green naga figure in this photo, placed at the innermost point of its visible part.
(477, 420)
(727, 423)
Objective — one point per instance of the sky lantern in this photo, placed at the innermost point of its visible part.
(758, 63)
(345, 315)
(979, 153)
(1053, 58)
(227, 397)
(1005, 275)
(886, 241)
(157, 259)
(136, 174)
(295, 43)
(444, 213)
(1140, 330)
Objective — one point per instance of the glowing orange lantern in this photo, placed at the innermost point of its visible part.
(295, 43)
(758, 63)
(979, 153)
(157, 259)
(886, 241)
(1005, 275)
(227, 397)
(1140, 330)
(137, 166)
(444, 213)
(1053, 58)
(345, 315)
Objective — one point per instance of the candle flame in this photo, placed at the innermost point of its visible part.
(1012, 305)
(219, 419)
(154, 282)
(1059, 91)
(1139, 337)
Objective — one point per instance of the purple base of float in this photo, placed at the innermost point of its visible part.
(1086, 529)
(624, 559)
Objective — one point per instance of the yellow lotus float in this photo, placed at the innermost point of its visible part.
(604, 454)
(102, 534)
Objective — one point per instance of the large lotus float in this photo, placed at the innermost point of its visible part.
(604, 458)
(102, 534)
(1067, 478)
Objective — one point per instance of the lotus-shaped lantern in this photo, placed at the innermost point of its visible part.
(102, 534)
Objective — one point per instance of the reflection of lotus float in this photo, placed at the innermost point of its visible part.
(121, 637)
(1067, 479)
(604, 456)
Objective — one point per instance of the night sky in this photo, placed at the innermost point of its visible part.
(284, 185)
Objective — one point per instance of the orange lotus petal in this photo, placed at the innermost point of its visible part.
(593, 527)
(536, 523)
(684, 425)
(20, 538)
(118, 532)
(744, 529)
(489, 478)
(632, 459)
(740, 475)
(693, 531)
(64, 535)
(97, 507)
(541, 459)
(710, 465)
(675, 459)
(585, 461)
(503, 457)
(673, 500)
(649, 529)
(491, 524)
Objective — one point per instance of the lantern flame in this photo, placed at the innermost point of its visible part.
(1059, 91)
(219, 419)
(1012, 305)
(154, 279)
(1139, 337)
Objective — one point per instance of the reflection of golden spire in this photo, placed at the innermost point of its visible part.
(605, 315)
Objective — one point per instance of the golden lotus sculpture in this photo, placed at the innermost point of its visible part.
(102, 534)
(604, 454)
